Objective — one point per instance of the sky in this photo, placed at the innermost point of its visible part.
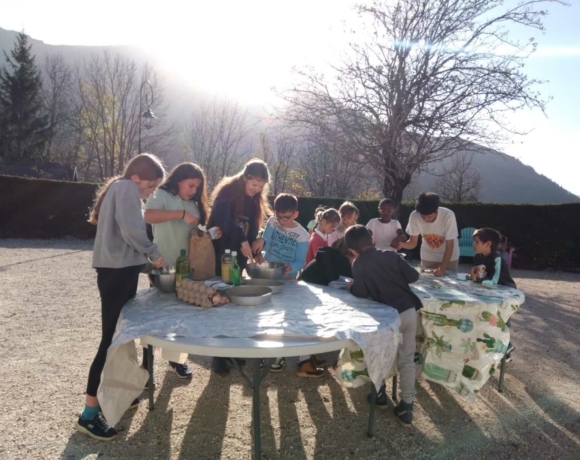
(243, 48)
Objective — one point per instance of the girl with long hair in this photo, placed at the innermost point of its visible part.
(240, 207)
(121, 250)
(178, 206)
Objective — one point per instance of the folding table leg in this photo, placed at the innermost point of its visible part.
(394, 392)
(150, 369)
(257, 380)
(373, 406)
(502, 366)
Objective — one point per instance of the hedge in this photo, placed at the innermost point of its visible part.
(546, 236)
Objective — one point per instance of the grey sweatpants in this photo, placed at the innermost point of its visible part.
(406, 355)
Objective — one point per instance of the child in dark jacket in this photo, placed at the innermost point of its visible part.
(385, 277)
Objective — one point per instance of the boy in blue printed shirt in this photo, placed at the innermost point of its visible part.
(286, 241)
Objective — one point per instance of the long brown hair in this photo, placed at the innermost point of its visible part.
(185, 171)
(233, 188)
(144, 165)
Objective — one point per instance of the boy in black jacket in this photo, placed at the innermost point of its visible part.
(384, 277)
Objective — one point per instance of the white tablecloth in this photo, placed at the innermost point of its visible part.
(302, 310)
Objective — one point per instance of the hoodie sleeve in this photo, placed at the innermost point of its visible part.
(129, 216)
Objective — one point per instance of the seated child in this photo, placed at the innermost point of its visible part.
(384, 277)
(489, 268)
(348, 216)
(286, 241)
(386, 231)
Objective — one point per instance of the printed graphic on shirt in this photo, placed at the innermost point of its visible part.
(435, 241)
(244, 223)
(283, 242)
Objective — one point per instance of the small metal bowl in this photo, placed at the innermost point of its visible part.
(249, 296)
(266, 270)
(165, 283)
(275, 285)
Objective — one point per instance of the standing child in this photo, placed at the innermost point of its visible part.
(386, 231)
(489, 268)
(326, 223)
(384, 277)
(121, 250)
(178, 206)
(285, 241)
(240, 205)
(312, 224)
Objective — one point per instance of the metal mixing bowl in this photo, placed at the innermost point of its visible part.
(250, 295)
(266, 270)
(165, 283)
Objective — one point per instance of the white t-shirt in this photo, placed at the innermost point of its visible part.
(384, 233)
(435, 234)
(171, 236)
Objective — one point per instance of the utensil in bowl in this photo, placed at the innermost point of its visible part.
(275, 285)
(250, 295)
(163, 281)
(266, 270)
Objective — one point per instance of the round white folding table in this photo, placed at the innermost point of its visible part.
(254, 349)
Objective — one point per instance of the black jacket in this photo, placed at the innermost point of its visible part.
(329, 264)
(384, 277)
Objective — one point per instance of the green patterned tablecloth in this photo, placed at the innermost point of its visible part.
(464, 335)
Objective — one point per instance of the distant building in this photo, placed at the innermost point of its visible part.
(46, 170)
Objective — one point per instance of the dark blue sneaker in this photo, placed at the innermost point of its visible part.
(96, 427)
(183, 371)
(511, 347)
(382, 401)
(404, 413)
(508, 358)
(135, 403)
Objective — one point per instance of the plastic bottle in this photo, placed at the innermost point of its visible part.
(181, 268)
(226, 264)
(235, 270)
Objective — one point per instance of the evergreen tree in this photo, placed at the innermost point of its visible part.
(23, 123)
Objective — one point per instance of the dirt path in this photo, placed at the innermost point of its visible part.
(49, 331)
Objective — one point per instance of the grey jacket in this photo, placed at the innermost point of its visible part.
(384, 277)
(122, 239)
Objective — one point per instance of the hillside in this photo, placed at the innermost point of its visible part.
(505, 179)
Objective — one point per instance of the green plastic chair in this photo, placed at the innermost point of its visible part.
(466, 242)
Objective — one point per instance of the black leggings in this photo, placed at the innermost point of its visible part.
(116, 286)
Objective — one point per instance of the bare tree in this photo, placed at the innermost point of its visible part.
(429, 78)
(217, 138)
(57, 95)
(106, 108)
(279, 148)
(460, 181)
(329, 168)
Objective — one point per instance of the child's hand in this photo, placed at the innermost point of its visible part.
(473, 273)
(348, 286)
(258, 245)
(439, 272)
(246, 249)
(190, 219)
(218, 233)
(259, 259)
(287, 269)
(396, 244)
(158, 263)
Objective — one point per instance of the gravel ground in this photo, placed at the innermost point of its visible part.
(49, 331)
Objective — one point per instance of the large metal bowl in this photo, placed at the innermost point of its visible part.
(266, 270)
(165, 283)
(275, 285)
(249, 296)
